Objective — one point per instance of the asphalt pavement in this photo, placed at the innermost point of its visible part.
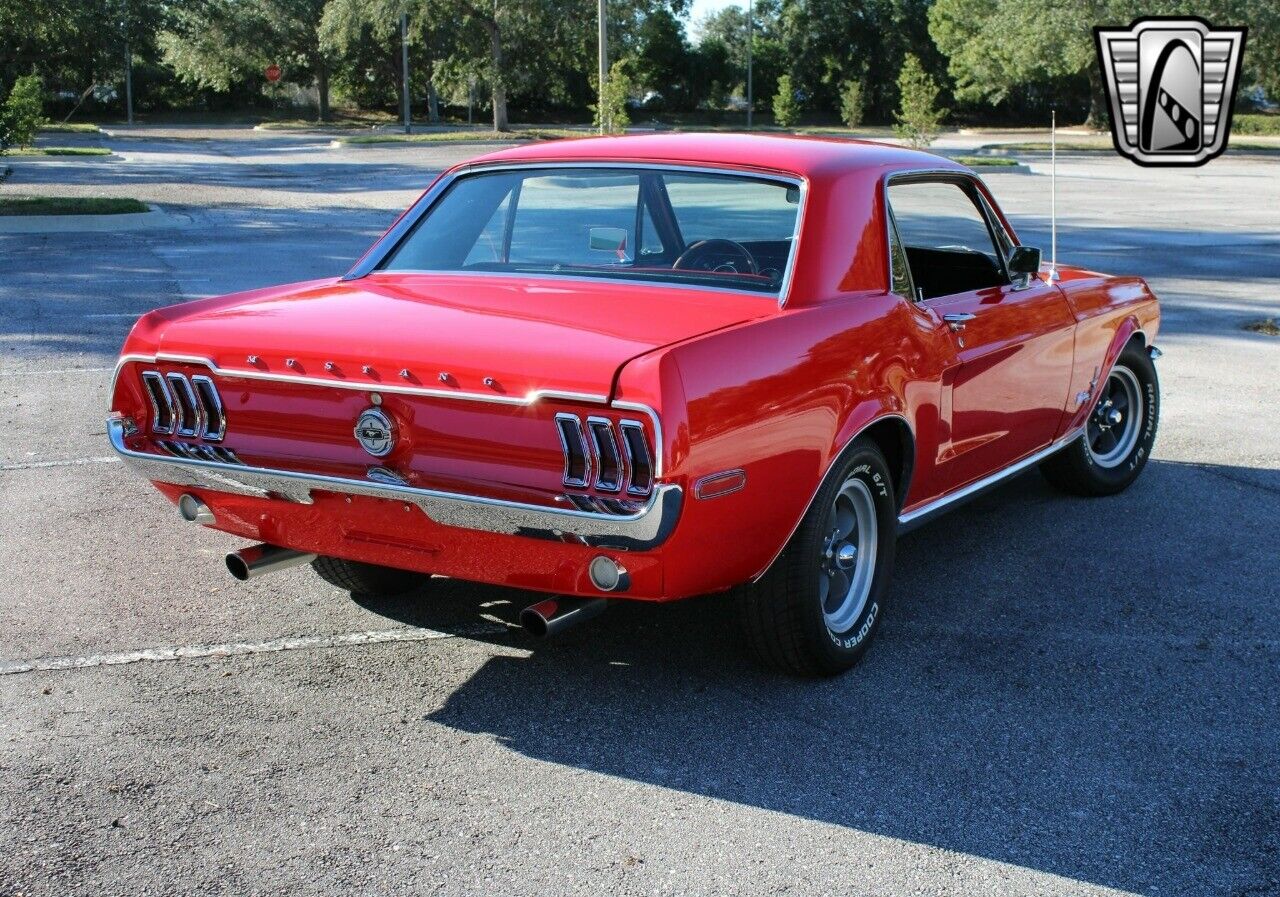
(1069, 696)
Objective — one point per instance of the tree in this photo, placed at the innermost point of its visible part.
(852, 102)
(829, 42)
(919, 117)
(663, 62)
(996, 47)
(215, 43)
(786, 108)
(724, 35)
(611, 112)
(22, 113)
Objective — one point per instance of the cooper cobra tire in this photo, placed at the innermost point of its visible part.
(1119, 434)
(367, 579)
(816, 610)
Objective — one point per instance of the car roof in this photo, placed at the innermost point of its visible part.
(805, 157)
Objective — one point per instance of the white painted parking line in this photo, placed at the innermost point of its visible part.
(239, 649)
(73, 462)
(35, 373)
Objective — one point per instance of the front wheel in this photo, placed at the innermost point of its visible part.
(816, 609)
(1119, 433)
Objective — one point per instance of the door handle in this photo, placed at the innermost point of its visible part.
(957, 320)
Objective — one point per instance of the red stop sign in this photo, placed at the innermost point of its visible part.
(273, 73)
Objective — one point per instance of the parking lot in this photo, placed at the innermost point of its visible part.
(1069, 696)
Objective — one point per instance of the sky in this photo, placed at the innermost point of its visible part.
(701, 7)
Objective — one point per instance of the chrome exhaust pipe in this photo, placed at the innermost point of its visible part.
(193, 510)
(256, 560)
(554, 615)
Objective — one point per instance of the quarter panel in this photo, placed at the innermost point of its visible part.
(779, 399)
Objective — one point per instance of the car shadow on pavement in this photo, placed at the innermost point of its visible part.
(1082, 687)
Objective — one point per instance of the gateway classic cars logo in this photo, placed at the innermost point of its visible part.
(1171, 82)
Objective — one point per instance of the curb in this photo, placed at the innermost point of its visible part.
(54, 224)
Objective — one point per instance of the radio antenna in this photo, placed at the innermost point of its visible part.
(1053, 195)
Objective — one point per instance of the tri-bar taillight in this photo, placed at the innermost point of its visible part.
(605, 455)
(185, 406)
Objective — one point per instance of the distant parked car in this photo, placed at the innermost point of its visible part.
(648, 368)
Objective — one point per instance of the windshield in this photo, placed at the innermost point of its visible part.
(667, 226)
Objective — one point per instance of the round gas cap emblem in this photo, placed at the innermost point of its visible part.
(375, 432)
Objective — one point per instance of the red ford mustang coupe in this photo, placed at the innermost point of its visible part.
(648, 368)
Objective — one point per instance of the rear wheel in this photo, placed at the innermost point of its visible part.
(1119, 433)
(367, 579)
(816, 609)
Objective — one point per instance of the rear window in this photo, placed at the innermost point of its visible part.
(707, 229)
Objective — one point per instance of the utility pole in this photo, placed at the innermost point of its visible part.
(750, 29)
(604, 63)
(404, 66)
(128, 82)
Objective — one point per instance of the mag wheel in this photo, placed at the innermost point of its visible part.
(367, 579)
(816, 609)
(1119, 433)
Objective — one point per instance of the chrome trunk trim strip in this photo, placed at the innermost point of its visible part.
(643, 529)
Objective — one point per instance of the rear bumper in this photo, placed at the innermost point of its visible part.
(642, 530)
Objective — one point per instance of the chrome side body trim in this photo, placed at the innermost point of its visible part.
(640, 530)
(922, 515)
(378, 253)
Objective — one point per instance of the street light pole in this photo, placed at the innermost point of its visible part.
(750, 28)
(604, 63)
(128, 81)
(404, 66)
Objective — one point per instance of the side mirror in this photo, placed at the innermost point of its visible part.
(1024, 260)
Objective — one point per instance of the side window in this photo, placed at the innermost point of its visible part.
(945, 238)
(900, 272)
(557, 215)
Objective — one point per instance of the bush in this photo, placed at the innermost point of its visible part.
(852, 103)
(23, 113)
(611, 114)
(786, 108)
(919, 116)
(1256, 124)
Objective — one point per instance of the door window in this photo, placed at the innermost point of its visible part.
(945, 237)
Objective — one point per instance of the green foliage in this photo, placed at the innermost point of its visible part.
(1256, 124)
(611, 111)
(919, 117)
(829, 42)
(70, 205)
(852, 103)
(786, 108)
(22, 113)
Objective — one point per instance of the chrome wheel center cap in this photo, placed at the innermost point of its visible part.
(1113, 417)
(847, 556)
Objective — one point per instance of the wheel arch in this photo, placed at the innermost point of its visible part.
(892, 434)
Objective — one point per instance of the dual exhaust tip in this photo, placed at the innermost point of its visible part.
(547, 618)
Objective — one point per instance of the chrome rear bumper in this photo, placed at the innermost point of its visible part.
(644, 529)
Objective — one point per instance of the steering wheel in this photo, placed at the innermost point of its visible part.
(717, 256)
